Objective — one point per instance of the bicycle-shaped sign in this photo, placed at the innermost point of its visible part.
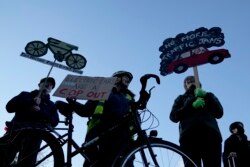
(62, 51)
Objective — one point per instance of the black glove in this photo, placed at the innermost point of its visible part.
(74, 105)
(71, 101)
(144, 96)
(142, 102)
(64, 108)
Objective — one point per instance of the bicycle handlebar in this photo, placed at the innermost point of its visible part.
(145, 78)
(144, 95)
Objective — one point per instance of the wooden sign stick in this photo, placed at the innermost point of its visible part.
(196, 77)
(43, 86)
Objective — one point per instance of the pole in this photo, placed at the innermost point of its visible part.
(196, 77)
(40, 92)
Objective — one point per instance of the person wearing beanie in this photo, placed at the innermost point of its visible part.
(236, 147)
(29, 107)
(196, 112)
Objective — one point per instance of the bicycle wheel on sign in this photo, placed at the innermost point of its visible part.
(49, 154)
(167, 154)
(36, 48)
(76, 61)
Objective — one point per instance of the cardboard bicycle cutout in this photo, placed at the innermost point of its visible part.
(191, 50)
(62, 51)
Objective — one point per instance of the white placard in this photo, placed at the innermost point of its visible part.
(85, 87)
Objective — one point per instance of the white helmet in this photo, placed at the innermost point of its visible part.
(123, 73)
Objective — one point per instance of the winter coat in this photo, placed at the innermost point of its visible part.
(189, 118)
(21, 106)
(237, 143)
(114, 109)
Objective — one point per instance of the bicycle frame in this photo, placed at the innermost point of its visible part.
(142, 136)
(69, 140)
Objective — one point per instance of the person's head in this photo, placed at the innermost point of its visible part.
(189, 81)
(47, 84)
(123, 78)
(237, 127)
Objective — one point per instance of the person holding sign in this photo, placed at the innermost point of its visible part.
(196, 111)
(236, 147)
(30, 108)
(104, 114)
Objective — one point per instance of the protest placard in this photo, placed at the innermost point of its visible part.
(85, 87)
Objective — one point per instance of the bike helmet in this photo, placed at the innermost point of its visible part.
(238, 125)
(123, 73)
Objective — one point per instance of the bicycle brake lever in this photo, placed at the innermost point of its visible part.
(151, 89)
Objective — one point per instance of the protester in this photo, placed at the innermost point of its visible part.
(29, 108)
(196, 111)
(236, 148)
(105, 114)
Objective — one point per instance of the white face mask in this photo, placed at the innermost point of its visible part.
(46, 89)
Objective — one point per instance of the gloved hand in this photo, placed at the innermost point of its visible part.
(64, 108)
(74, 105)
(200, 92)
(71, 101)
(142, 102)
(37, 100)
(144, 96)
(199, 103)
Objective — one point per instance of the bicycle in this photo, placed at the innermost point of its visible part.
(146, 150)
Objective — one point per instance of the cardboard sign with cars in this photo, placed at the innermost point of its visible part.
(191, 50)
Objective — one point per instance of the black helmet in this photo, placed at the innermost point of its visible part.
(238, 125)
(49, 79)
(123, 73)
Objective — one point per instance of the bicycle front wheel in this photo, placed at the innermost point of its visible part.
(36, 48)
(36, 148)
(166, 154)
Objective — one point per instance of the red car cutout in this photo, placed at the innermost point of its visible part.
(196, 57)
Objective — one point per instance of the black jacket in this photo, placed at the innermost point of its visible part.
(114, 109)
(190, 118)
(21, 106)
(237, 143)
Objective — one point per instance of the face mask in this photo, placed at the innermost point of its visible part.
(45, 89)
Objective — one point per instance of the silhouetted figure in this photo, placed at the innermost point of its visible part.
(196, 111)
(29, 108)
(236, 147)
